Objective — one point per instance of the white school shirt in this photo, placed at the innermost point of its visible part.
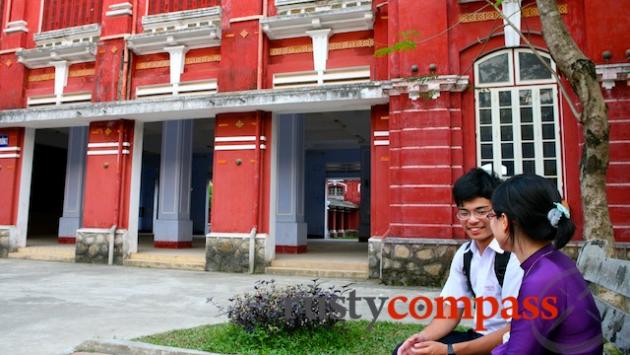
(484, 281)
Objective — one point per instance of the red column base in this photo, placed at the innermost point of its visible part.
(66, 240)
(290, 249)
(172, 245)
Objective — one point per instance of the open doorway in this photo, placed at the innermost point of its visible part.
(337, 174)
(47, 186)
(164, 188)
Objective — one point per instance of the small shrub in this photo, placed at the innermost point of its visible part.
(273, 309)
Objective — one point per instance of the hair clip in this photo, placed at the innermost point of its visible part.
(556, 213)
(565, 211)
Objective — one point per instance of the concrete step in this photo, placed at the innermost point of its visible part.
(44, 254)
(296, 271)
(321, 264)
(181, 262)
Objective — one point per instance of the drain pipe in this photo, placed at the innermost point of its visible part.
(110, 239)
(252, 250)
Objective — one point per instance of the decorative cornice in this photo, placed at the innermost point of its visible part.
(308, 48)
(609, 73)
(429, 86)
(189, 60)
(493, 15)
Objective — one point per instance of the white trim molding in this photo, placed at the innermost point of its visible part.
(123, 8)
(428, 85)
(16, 26)
(608, 74)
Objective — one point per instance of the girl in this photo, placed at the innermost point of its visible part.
(555, 312)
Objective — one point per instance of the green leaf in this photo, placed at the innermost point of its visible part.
(498, 3)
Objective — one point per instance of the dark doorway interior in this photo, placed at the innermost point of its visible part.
(48, 182)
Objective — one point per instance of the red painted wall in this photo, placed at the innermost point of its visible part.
(379, 175)
(10, 171)
(107, 177)
(241, 177)
(69, 13)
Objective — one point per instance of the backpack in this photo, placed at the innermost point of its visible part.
(500, 266)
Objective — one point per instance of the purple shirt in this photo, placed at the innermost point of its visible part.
(576, 327)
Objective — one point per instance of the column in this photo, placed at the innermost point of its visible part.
(333, 222)
(16, 162)
(173, 227)
(73, 195)
(107, 193)
(342, 223)
(291, 233)
(240, 195)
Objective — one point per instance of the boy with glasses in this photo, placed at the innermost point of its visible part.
(479, 269)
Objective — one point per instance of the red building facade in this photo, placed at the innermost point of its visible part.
(469, 94)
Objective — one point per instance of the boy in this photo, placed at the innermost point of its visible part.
(479, 269)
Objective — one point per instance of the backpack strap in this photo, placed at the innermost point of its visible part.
(467, 259)
(500, 266)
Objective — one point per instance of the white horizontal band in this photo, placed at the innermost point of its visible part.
(381, 142)
(107, 145)
(14, 155)
(381, 133)
(238, 139)
(239, 147)
(106, 152)
(9, 149)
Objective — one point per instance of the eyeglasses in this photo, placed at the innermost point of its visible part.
(464, 215)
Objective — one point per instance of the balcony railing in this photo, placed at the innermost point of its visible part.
(296, 7)
(164, 6)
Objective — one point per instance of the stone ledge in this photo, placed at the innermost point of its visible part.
(126, 347)
(92, 246)
(229, 254)
(5, 235)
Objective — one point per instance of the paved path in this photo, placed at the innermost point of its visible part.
(48, 307)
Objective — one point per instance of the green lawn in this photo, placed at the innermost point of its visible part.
(352, 337)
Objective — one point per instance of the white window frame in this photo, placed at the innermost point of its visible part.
(517, 68)
(516, 129)
(510, 82)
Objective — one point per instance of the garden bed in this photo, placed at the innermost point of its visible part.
(351, 337)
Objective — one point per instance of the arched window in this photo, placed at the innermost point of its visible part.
(516, 104)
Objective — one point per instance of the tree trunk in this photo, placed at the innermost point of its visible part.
(580, 72)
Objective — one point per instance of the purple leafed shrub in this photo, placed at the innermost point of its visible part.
(276, 308)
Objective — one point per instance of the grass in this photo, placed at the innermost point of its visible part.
(351, 337)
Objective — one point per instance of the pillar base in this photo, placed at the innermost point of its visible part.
(5, 236)
(66, 240)
(411, 261)
(291, 237)
(68, 227)
(92, 246)
(229, 252)
(290, 249)
(173, 233)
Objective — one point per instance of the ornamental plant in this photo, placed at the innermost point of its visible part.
(274, 308)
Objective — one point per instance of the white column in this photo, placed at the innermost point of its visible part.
(290, 227)
(512, 10)
(70, 221)
(173, 226)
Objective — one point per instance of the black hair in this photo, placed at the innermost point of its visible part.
(527, 200)
(475, 183)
